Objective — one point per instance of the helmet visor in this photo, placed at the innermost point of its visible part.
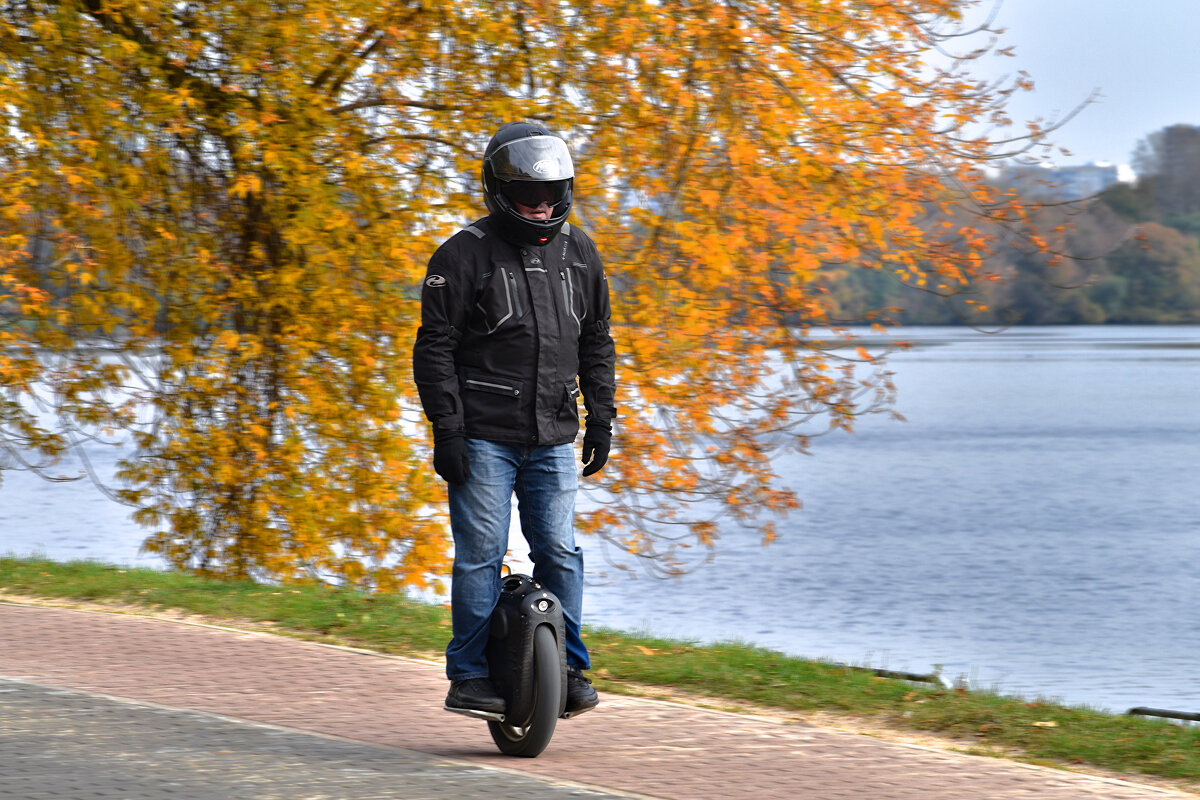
(532, 194)
(534, 158)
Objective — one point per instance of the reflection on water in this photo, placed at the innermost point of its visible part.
(1033, 527)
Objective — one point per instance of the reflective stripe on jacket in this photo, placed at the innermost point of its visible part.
(510, 335)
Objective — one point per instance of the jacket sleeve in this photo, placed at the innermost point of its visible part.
(445, 298)
(597, 351)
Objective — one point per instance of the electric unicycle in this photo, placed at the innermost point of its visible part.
(527, 666)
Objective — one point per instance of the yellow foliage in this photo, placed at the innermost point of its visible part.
(239, 198)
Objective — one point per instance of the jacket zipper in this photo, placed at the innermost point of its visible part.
(568, 290)
(510, 389)
(516, 295)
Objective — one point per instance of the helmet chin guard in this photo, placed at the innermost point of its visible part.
(523, 153)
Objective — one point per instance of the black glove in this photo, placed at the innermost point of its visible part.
(596, 441)
(450, 458)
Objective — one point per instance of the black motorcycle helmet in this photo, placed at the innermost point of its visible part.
(525, 163)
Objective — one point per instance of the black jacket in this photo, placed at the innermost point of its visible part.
(506, 331)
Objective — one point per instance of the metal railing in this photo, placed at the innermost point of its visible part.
(1142, 711)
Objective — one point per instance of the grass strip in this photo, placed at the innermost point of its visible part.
(987, 723)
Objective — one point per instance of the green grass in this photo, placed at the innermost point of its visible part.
(1040, 732)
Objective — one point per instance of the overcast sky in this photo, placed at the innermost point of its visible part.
(1143, 57)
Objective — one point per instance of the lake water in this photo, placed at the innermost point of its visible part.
(1034, 526)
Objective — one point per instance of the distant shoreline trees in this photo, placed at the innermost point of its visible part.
(1130, 255)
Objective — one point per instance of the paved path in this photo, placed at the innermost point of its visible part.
(342, 714)
(57, 743)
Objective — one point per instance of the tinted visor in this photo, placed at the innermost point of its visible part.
(532, 194)
(537, 158)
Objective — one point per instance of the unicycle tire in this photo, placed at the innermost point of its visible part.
(547, 680)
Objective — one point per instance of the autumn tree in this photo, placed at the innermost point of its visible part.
(215, 213)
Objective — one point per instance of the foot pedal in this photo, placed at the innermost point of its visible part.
(490, 716)
(569, 714)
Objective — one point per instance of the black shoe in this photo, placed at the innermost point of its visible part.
(581, 696)
(474, 694)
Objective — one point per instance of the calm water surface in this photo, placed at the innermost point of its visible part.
(1033, 527)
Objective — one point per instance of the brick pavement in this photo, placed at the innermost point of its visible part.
(650, 748)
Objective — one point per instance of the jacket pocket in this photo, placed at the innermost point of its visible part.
(568, 411)
(573, 280)
(498, 299)
(491, 402)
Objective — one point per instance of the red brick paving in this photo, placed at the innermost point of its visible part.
(650, 748)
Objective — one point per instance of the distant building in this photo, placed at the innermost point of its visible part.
(1045, 182)
(1178, 149)
(1171, 158)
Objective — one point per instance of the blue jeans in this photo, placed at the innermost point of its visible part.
(545, 482)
